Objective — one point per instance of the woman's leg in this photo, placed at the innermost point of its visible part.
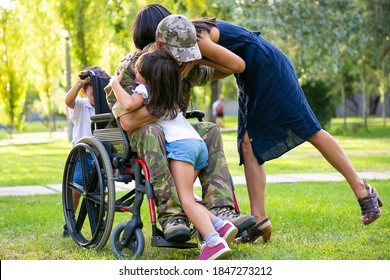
(367, 196)
(256, 180)
(332, 152)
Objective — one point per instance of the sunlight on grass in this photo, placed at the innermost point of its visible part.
(42, 164)
(368, 151)
(37, 164)
(310, 221)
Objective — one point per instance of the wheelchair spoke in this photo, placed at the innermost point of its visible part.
(93, 180)
(93, 215)
(81, 216)
(76, 187)
(84, 167)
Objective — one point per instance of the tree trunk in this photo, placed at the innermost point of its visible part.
(383, 95)
(365, 93)
(343, 102)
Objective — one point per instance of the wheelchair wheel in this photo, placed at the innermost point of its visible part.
(90, 224)
(133, 247)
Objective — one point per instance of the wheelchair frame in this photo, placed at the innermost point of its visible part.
(113, 161)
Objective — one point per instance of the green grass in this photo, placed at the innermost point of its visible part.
(42, 164)
(33, 164)
(311, 221)
(365, 155)
(39, 126)
(367, 150)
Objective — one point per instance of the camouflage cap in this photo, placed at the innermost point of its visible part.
(179, 34)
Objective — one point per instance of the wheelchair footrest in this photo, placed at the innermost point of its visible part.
(158, 241)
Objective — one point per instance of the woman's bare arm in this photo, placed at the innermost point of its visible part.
(225, 60)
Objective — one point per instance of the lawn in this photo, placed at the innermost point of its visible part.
(41, 164)
(367, 150)
(33, 164)
(311, 221)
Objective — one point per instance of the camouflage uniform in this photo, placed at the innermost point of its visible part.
(149, 144)
(127, 82)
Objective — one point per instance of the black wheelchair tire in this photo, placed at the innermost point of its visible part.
(91, 226)
(135, 245)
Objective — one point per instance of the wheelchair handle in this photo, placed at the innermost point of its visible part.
(195, 114)
(102, 117)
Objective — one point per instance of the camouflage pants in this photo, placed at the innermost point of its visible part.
(149, 143)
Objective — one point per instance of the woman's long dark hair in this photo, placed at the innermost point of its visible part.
(204, 24)
(164, 83)
(145, 24)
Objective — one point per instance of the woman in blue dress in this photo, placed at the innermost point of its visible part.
(273, 116)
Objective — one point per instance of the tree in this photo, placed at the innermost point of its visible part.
(333, 41)
(379, 26)
(44, 31)
(304, 30)
(13, 84)
(319, 97)
(222, 10)
(326, 40)
(78, 19)
(345, 25)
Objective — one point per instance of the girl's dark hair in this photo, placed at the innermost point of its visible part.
(164, 83)
(204, 24)
(145, 24)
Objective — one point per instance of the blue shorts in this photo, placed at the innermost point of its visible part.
(78, 175)
(192, 151)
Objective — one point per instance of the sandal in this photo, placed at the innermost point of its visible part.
(252, 234)
(370, 205)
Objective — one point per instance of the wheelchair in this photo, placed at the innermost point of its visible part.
(106, 159)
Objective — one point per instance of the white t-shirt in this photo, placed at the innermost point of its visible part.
(176, 129)
(81, 118)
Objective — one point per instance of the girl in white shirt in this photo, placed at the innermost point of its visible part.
(160, 89)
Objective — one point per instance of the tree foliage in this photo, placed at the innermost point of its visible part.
(343, 43)
(13, 82)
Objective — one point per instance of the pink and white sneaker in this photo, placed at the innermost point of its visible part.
(228, 231)
(214, 252)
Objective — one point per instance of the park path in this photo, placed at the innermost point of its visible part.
(280, 178)
(20, 139)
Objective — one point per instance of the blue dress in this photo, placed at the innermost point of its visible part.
(272, 107)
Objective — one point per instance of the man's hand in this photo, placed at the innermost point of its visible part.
(186, 67)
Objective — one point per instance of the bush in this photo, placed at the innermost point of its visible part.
(321, 101)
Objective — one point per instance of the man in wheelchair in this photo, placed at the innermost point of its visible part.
(147, 138)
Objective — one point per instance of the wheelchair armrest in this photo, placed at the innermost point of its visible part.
(195, 114)
(102, 117)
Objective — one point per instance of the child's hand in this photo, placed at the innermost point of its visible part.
(82, 81)
(117, 77)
